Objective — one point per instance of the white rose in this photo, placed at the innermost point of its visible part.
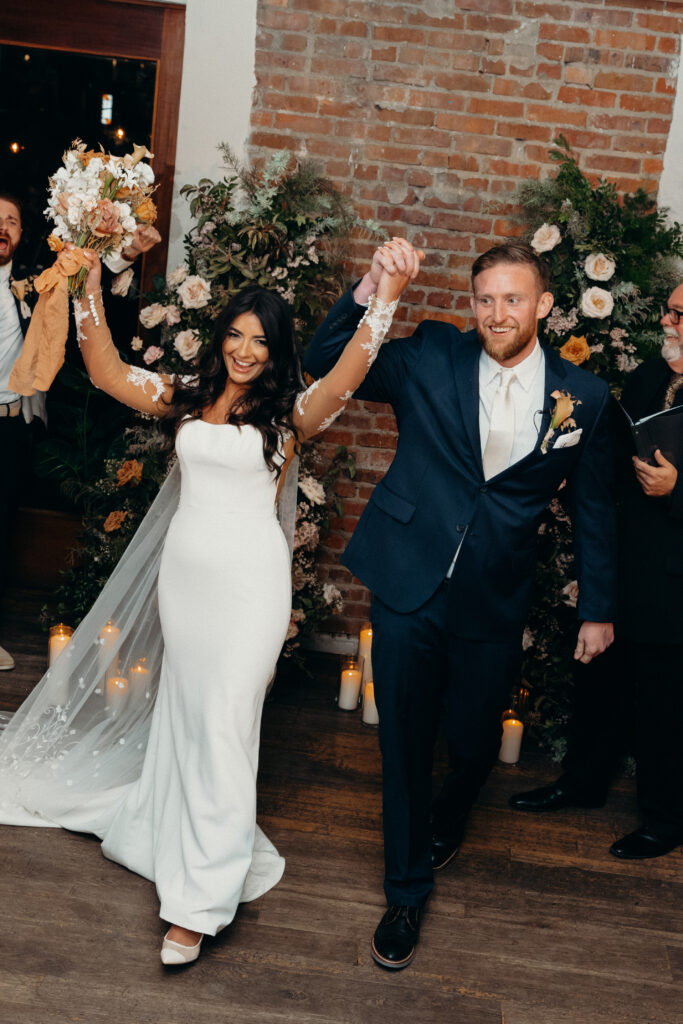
(187, 344)
(194, 292)
(313, 490)
(599, 267)
(176, 277)
(151, 316)
(121, 284)
(546, 238)
(597, 303)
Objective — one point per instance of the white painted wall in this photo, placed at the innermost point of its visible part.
(671, 181)
(215, 99)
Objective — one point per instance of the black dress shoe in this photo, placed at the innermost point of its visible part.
(551, 798)
(644, 843)
(394, 941)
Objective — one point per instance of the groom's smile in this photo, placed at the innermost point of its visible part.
(507, 302)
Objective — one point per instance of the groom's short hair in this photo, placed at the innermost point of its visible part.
(513, 252)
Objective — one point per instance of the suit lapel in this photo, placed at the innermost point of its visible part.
(555, 374)
(465, 355)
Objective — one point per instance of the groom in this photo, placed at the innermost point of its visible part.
(447, 543)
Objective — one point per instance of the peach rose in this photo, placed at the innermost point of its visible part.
(55, 243)
(546, 238)
(121, 282)
(194, 292)
(151, 316)
(105, 218)
(129, 473)
(114, 521)
(146, 211)
(597, 303)
(187, 344)
(599, 267)
(576, 350)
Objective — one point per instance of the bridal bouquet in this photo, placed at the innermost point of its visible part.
(96, 201)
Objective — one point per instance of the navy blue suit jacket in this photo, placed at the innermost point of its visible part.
(434, 495)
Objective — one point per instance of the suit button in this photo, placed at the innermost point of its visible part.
(483, 489)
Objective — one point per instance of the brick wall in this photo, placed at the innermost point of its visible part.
(428, 114)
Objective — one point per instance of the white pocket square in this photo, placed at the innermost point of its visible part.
(567, 440)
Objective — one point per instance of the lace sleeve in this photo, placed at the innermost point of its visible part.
(139, 388)
(318, 406)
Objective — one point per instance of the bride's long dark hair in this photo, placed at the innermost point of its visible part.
(268, 403)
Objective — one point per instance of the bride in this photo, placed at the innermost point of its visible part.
(168, 782)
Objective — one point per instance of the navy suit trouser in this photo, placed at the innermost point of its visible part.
(424, 674)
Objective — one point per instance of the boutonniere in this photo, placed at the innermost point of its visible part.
(20, 289)
(561, 416)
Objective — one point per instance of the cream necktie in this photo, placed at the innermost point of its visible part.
(501, 427)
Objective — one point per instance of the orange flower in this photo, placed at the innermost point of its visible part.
(114, 521)
(90, 154)
(55, 243)
(576, 350)
(146, 211)
(129, 473)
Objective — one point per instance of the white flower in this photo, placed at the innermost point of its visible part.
(187, 344)
(570, 594)
(298, 615)
(599, 267)
(333, 597)
(152, 354)
(25, 309)
(136, 344)
(172, 315)
(527, 639)
(152, 315)
(194, 292)
(176, 277)
(313, 490)
(546, 238)
(121, 284)
(597, 303)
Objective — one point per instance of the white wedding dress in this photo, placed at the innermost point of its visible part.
(172, 793)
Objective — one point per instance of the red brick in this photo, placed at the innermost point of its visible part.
(556, 114)
(524, 131)
(625, 40)
(485, 23)
(457, 82)
(667, 44)
(399, 34)
(622, 19)
(578, 74)
(463, 123)
(646, 62)
(261, 119)
(290, 41)
(294, 103)
(616, 123)
(388, 53)
(667, 86)
(332, 27)
(585, 97)
(653, 166)
(622, 82)
(656, 126)
(551, 51)
(282, 60)
(268, 18)
(621, 164)
(636, 144)
(564, 33)
(533, 9)
(303, 125)
(655, 104)
(579, 140)
(668, 23)
(496, 108)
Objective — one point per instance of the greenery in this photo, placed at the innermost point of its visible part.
(613, 263)
(283, 227)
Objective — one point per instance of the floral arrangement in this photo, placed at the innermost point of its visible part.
(279, 227)
(96, 201)
(613, 263)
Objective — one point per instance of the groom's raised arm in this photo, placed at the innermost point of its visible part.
(383, 379)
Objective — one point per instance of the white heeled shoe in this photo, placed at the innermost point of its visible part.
(173, 954)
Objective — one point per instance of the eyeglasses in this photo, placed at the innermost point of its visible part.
(674, 314)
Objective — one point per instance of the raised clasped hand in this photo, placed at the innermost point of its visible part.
(657, 481)
(399, 264)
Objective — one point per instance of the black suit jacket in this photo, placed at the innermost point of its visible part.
(434, 494)
(650, 529)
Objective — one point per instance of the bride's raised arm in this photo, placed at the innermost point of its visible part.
(139, 388)
(318, 406)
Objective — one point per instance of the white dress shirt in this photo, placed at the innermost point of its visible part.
(11, 335)
(526, 391)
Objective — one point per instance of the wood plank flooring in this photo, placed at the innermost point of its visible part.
(534, 923)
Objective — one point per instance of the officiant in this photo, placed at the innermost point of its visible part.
(647, 657)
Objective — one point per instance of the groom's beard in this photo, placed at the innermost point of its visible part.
(671, 346)
(502, 350)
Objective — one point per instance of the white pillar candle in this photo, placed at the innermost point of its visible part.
(138, 674)
(349, 685)
(364, 649)
(369, 715)
(109, 664)
(511, 744)
(60, 637)
(117, 693)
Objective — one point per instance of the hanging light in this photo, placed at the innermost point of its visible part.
(15, 147)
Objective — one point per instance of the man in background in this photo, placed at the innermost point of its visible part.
(647, 658)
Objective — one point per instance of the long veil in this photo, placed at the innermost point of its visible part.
(82, 733)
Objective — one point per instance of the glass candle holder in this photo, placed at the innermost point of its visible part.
(350, 683)
(59, 638)
(511, 742)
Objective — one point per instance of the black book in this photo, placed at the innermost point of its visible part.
(659, 430)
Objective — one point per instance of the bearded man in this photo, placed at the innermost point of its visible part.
(16, 413)
(647, 657)
(490, 424)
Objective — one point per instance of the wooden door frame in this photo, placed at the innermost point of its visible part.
(137, 29)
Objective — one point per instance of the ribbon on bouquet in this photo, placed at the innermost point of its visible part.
(42, 353)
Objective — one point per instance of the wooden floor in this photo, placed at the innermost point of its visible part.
(534, 923)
